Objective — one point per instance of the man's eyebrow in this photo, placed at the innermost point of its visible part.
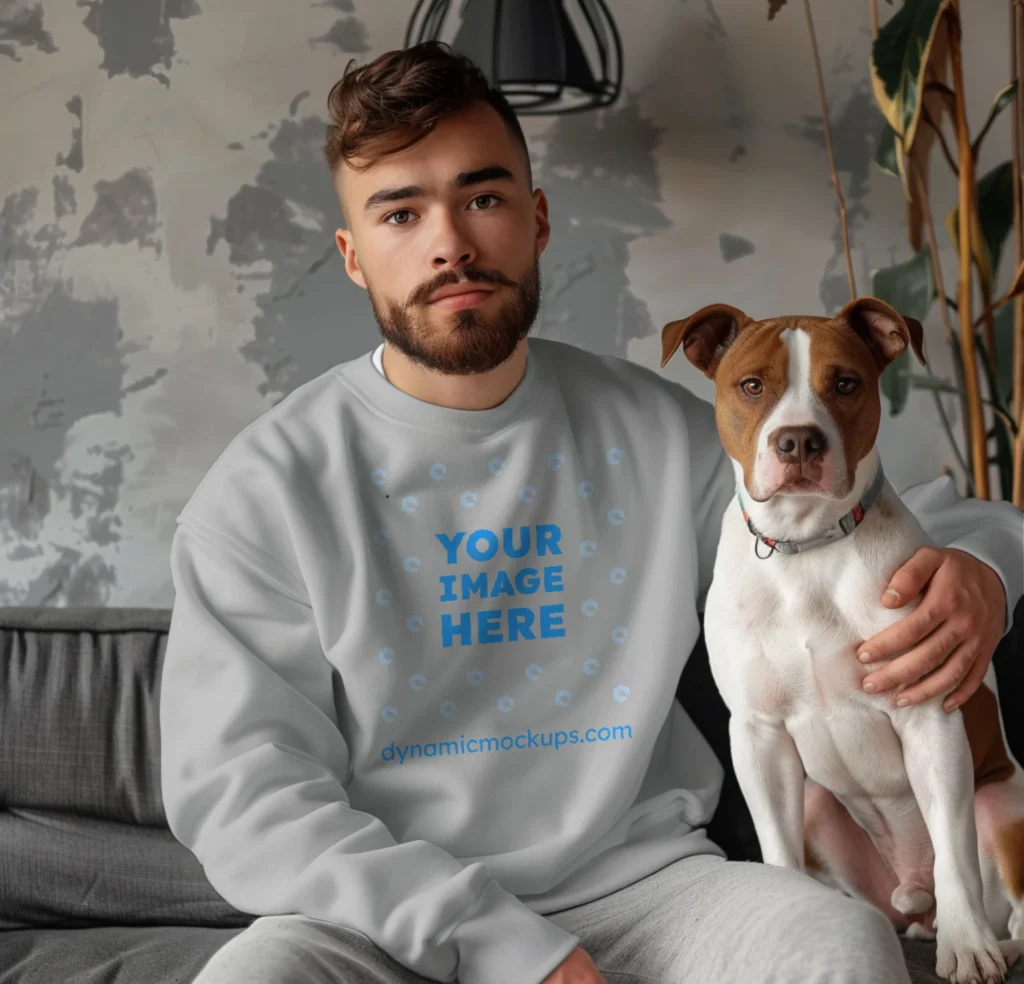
(388, 195)
(493, 173)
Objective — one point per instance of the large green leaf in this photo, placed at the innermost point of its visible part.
(900, 60)
(995, 217)
(995, 209)
(1004, 352)
(890, 158)
(1004, 460)
(895, 382)
(936, 383)
(886, 153)
(910, 288)
(1003, 99)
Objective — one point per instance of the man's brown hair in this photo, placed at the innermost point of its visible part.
(397, 99)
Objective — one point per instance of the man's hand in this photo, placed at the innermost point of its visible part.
(577, 968)
(949, 639)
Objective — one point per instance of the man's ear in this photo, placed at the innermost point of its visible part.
(540, 204)
(343, 239)
(885, 331)
(704, 336)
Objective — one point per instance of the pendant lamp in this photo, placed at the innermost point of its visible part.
(546, 56)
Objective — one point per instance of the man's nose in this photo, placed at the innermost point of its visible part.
(452, 248)
(798, 444)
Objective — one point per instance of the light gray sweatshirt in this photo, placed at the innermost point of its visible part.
(422, 662)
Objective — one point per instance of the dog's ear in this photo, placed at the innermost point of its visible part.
(704, 336)
(885, 331)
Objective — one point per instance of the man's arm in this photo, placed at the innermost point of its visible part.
(712, 484)
(253, 765)
(969, 586)
(992, 532)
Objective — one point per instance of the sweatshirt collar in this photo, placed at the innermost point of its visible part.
(525, 400)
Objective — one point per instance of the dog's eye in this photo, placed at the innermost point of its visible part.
(846, 385)
(752, 387)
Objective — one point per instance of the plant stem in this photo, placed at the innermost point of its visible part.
(987, 320)
(873, 7)
(991, 311)
(940, 286)
(828, 148)
(979, 442)
(933, 249)
(1016, 135)
(1002, 423)
(946, 152)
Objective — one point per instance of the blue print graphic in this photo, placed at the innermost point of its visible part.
(524, 741)
(487, 625)
(507, 585)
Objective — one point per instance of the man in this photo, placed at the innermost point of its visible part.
(418, 698)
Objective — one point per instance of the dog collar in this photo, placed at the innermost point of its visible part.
(844, 527)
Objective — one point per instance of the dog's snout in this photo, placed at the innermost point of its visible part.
(799, 444)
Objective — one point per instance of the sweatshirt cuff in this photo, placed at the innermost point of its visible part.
(504, 940)
(992, 548)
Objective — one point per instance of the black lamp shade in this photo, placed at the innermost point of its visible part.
(547, 56)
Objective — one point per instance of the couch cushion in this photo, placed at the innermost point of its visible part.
(62, 870)
(79, 692)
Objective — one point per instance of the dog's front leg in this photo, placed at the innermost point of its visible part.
(771, 778)
(937, 758)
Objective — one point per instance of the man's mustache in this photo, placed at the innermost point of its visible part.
(421, 295)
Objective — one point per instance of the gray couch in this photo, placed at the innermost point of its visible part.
(94, 889)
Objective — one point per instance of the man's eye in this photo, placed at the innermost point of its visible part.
(401, 217)
(484, 198)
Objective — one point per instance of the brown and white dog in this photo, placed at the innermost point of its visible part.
(866, 796)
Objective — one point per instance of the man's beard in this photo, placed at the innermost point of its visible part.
(470, 342)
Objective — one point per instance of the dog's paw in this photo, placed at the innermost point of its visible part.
(970, 956)
(912, 900)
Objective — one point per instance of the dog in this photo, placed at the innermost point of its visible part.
(807, 548)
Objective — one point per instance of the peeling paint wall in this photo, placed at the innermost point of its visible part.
(167, 265)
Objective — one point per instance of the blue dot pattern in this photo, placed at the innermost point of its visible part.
(495, 467)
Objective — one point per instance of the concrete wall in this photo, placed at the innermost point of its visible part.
(167, 267)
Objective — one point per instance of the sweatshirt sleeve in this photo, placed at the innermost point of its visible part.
(712, 484)
(993, 532)
(253, 772)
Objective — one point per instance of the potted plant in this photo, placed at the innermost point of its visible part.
(918, 81)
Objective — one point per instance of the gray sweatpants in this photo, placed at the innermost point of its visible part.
(701, 920)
